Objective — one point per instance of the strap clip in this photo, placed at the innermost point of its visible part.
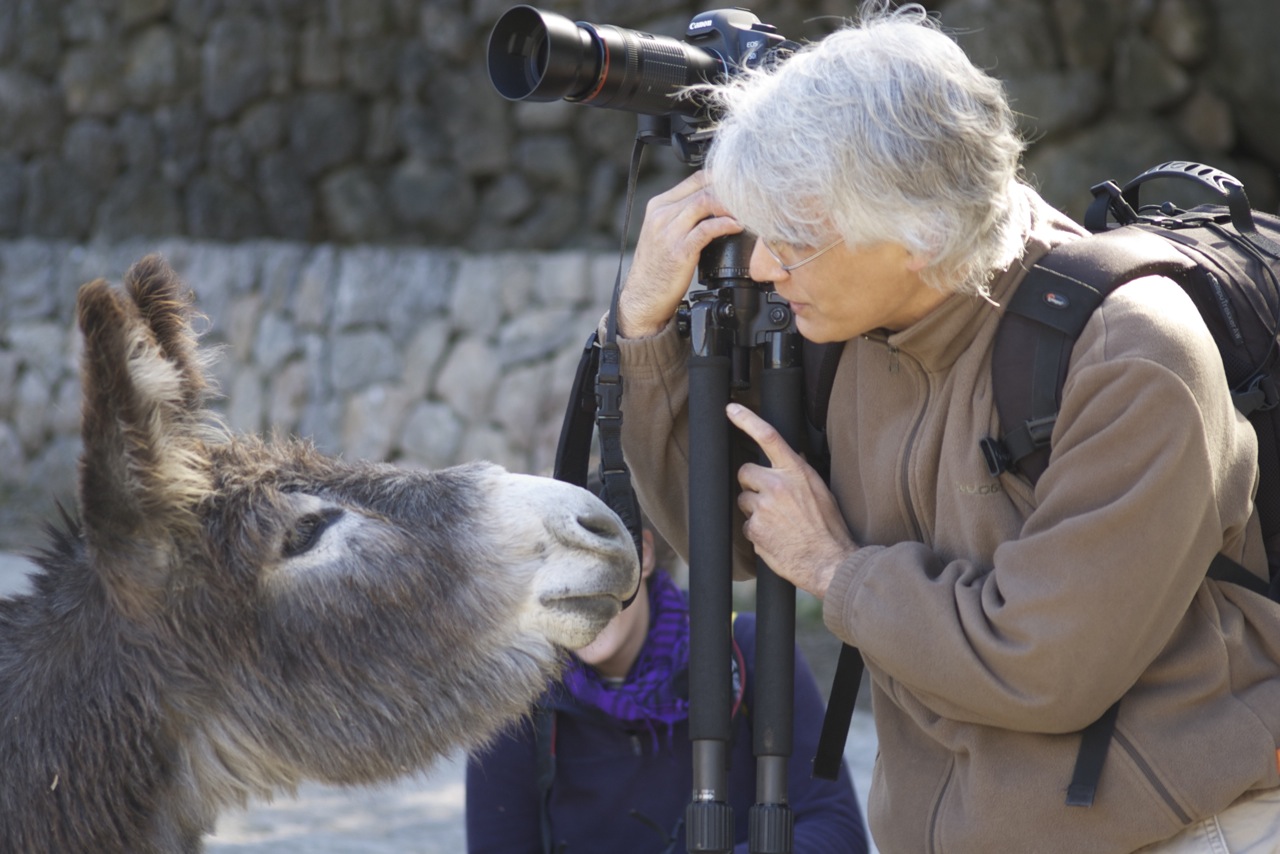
(997, 456)
(1260, 395)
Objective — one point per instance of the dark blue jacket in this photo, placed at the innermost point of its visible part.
(624, 791)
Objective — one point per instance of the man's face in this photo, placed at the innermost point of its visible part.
(847, 292)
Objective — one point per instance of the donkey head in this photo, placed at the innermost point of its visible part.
(255, 613)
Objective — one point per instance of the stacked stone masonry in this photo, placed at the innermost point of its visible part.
(358, 121)
(421, 356)
(401, 264)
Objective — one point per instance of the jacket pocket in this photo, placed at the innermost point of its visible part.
(1148, 773)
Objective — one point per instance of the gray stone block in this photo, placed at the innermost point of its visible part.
(325, 130)
(58, 200)
(219, 208)
(288, 198)
(91, 146)
(234, 65)
(90, 80)
(139, 204)
(153, 68)
(354, 205)
(361, 358)
(432, 435)
(26, 270)
(466, 382)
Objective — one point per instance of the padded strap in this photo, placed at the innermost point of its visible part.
(1040, 326)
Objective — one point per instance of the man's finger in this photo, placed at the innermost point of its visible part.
(685, 188)
(780, 454)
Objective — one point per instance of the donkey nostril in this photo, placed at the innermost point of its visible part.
(599, 524)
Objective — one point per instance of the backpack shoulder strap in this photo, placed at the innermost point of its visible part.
(829, 756)
(1041, 323)
(820, 364)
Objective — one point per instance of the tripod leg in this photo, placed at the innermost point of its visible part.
(772, 820)
(709, 817)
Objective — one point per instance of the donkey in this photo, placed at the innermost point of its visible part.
(226, 616)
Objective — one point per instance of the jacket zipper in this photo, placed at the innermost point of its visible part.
(895, 366)
(931, 843)
(1150, 775)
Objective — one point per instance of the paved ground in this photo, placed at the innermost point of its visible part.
(418, 815)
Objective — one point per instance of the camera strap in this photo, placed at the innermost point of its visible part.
(597, 389)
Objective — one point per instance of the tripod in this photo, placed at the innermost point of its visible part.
(732, 323)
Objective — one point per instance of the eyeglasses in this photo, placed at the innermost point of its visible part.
(787, 268)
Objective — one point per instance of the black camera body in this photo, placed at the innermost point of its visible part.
(542, 56)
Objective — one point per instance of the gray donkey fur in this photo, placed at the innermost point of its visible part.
(230, 616)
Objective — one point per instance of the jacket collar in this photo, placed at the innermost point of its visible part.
(938, 339)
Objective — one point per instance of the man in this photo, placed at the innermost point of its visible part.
(879, 170)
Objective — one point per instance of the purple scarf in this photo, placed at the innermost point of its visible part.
(648, 696)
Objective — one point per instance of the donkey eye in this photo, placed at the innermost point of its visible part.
(308, 530)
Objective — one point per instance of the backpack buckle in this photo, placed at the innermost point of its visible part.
(1259, 396)
(997, 456)
(1108, 198)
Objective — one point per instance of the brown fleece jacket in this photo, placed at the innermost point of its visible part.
(997, 620)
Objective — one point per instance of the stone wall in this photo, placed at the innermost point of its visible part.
(403, 265)
(417, 355)
(357, 121)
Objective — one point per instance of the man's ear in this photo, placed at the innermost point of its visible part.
(917, 262)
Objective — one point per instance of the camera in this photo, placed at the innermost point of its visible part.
(535, 55)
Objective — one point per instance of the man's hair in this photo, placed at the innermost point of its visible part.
(884, 131)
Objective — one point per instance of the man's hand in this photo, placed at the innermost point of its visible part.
(678, 225)
(792, 518)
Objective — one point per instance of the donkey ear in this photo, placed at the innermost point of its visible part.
(167, 307)
(144, 469)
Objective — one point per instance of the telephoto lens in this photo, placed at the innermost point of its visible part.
(542, 56)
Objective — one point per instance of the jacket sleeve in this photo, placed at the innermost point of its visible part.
(826, 813)
(502, 804)
(1151, 472)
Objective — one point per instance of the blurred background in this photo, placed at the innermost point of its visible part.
(402, 265)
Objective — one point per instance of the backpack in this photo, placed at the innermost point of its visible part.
(1227, 259)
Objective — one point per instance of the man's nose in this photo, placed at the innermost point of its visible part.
(764, 267)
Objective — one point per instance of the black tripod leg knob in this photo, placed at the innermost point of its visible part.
(709, 827)
(771, 827)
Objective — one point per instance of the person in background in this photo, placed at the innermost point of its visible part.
(605, 762)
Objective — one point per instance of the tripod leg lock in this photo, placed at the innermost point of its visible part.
(771, 829)
(709, 826)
